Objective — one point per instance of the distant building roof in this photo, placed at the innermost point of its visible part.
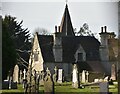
(69, 45)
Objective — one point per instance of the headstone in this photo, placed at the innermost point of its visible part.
(41, 78)
(24, 79)
(107, 78)
(37, 82)
(96, 80)
(24, 74)
(10, 81)
(5, 84)
(104, 87)
(20, 78)
(113, 72)
(48, 83)
(83, 76)
(75, 82)
(87, 75)
(16, 73)
(9, 85)
(55, 74)
(60, 75)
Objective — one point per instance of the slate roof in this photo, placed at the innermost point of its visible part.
(66, 27)
(46, 44)
(70, 45)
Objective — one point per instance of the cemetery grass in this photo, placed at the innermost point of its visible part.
(65, 88)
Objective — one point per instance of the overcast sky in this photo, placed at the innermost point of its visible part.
(48, 14)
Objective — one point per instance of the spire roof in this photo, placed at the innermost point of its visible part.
(66, 27)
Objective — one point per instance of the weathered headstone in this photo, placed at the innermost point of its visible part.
(41, 77)
(107, 78)
(60, 75)
(83, 76)
(24, 78)
(104, 89)
(113, 72)
(75, 82)
(48, 83)
(16, 73)
(96, 80)
(24, 74)
(55, 74)
(20, 77)
(87, 75)
(10, 81)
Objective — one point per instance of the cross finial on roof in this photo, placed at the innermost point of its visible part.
(66, 1)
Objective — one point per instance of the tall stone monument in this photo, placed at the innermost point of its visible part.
(75, 79)
(60, 75)
(83, 76)
(87, 76)
(113, 72)
(16, 73)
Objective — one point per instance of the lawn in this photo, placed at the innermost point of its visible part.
(66, 88)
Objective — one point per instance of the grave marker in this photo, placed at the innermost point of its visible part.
(15, 73)
(60, 75)
(75, 82)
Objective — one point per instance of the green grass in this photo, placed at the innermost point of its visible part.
(20, 89)
(67, 87)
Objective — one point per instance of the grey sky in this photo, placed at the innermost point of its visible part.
(48, 14)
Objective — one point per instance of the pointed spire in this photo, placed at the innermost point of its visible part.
(66, 27)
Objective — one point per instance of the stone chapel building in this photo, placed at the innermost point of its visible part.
(63, 49)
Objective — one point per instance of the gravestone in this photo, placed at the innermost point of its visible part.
(5, 84)
(104, 87)
(48, 83)
(55, 75)
(41, 77)
(9, 85)
(96, 80)
(20, 77)
(24, 79)
(75, 82)
(60, 75)
(83, 76)
(10, 82)
(24, 74)
(113, 72)
(87, 75)
(16, 73)
(107, 78)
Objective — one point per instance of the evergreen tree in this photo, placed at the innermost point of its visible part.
(20, 38)
(8, 52)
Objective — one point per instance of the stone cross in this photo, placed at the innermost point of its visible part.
(24, 72)
(83, 76)
(60, 75)
(75, 82)
(16, 73)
